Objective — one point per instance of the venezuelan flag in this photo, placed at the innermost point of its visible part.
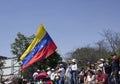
(44, 48)
(39, 35)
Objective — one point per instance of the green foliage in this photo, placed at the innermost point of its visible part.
(51, 61)
(20, 45)
(119, 52)
(83, 55)
(1, 64)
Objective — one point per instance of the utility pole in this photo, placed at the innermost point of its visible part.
(12, 66)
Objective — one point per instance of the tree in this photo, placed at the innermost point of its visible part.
(88, 54)
(21, 44)
(112, 39)
(1, 64)
(102, 48)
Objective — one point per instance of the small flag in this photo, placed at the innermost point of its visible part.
(44, 48)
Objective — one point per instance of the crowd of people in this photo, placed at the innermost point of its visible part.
(102, 72)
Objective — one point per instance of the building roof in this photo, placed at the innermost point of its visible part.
(3, 57)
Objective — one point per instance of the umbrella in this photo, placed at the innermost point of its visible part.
(41, 75)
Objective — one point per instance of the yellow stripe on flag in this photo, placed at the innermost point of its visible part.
(39, 35)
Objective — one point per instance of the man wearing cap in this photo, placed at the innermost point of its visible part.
(74, 72)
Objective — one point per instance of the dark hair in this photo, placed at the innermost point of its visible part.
(92, 72)
(100, 71)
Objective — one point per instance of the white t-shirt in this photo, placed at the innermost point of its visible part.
(52, 76)
(74, 67)
(90, 79)
(49, 73)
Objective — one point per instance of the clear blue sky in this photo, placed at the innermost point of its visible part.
(70, 23)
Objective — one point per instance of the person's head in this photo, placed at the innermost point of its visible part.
(102, 60)
(73, 61)
(52, 70)
(107, 61)
(60, 59)
(48, 69)
(61, 65)
(56, 69)
(68, 62)
(90, 72)
(115, 57)
(38, 70)
(99, 72)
